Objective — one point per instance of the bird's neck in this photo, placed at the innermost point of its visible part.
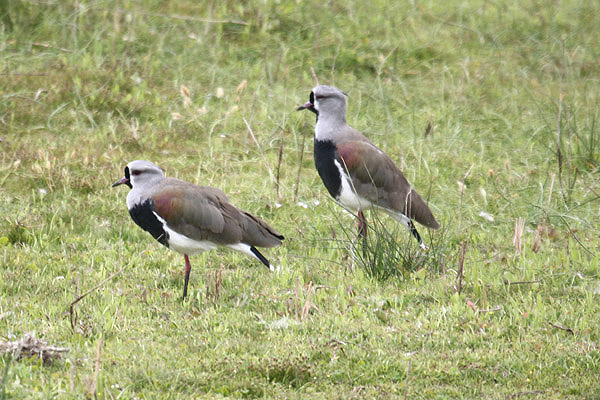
(328, 125)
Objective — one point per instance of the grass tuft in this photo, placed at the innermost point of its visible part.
(391, 252)
(17, 233)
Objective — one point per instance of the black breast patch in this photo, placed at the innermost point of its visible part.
(143, 215)
(325, 154)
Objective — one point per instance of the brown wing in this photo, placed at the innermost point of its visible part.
(253, 230)
(258, 233)
(204, 213)
(376, 178)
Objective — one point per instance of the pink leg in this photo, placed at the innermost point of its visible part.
(362, 225)
(188, 268)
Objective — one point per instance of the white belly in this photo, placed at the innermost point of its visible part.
(183, 244)
(348, 196)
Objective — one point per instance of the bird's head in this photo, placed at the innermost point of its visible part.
(140, 173)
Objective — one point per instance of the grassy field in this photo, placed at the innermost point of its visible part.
(508, 96)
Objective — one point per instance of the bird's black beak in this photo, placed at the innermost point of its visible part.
(123, 181)
(306, 106)
(309, 105)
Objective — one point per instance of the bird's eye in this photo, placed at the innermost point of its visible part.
(320, 97)
(136, 172)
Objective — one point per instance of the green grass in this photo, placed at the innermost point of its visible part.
(86, 87)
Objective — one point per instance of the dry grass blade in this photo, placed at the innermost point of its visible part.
(489, 310)
(443, 264)
(525, 393)
(559, 152)
(213, 290)
(537, 241)
(260, 150)
(134, 126)
(93, 384)
(185, 94)
(458, 284)
(296, 298)
(308, 305)
(300, 163)
(406, 380)
(279, 159)
(462, 186)
(518, 235)
(49, 46)
(185, 17)
(314, 75)
(429, 127)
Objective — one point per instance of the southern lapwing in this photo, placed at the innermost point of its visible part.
(358, 174)
(191, 219)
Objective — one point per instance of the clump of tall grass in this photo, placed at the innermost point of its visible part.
(390, 251)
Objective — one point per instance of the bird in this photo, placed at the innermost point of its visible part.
(191, 219)
(357, 174)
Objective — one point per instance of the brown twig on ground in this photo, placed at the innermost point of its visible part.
(214, 291)
(29, 346)
(279, 165)
(218, 282)
(72, 312)
(208, 287)
(72, 305)
(506, 282)
(564, 328)
(574, 236)
(462, 186)
(461, 264)
(429, 127)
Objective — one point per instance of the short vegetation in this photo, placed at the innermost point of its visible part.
(491, 109)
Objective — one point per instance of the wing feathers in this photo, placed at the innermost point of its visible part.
(376, 178)
(204, 213)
